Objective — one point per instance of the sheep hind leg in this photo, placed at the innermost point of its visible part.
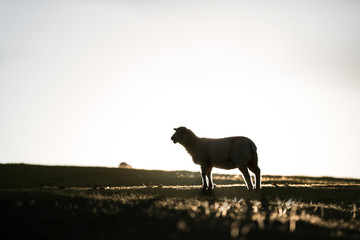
(246, 176)
(256, 170)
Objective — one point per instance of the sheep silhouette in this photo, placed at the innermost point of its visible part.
(224, 153)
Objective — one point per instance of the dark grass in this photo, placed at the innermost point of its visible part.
(105, 203)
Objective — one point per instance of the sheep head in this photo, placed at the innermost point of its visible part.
(181, 135)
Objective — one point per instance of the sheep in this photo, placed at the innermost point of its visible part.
(225, 153)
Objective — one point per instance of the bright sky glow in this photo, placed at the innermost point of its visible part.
(97, 82)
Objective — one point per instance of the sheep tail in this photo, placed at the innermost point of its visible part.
(253, 149)
(255, 157)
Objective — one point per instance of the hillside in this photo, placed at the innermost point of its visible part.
(33, 176)
(54, 202)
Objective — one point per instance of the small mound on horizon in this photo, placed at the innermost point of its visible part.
(124, 165)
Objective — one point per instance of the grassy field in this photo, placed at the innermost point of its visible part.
(45, 202)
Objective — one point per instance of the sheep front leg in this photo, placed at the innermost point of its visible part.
(208, 174)
(203, 176)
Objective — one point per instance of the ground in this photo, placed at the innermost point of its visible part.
(108, 203)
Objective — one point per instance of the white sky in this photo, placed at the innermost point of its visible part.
(100, 82)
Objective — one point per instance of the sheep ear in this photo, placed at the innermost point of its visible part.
(175, 129)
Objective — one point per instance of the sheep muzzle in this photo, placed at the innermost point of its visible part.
(173, 139)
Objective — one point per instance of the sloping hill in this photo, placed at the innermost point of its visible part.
(32, 176)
